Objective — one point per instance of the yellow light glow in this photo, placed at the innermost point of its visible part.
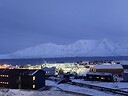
(34, 78)
(102, 78)
(34, 86)
(3, 82)
(4, 76)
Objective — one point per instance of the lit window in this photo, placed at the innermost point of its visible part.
(3, 82)
(4, 76)
(102, 78)
(34, 78)
(97, 77)
(34, 86)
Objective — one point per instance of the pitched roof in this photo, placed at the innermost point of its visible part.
(112, 66)
(22, 72)
(99, 73)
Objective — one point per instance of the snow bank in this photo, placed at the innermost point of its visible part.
(83, 90)
(114, 85)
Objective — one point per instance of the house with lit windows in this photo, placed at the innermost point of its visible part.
(22, 79)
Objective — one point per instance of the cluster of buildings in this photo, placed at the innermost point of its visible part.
(33, 77)
(108, 71)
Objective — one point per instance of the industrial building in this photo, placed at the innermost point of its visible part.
(49, 71)
(22, 78)
(99, 76)
(112, 68)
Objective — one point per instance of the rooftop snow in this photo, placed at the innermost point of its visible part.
(113, 66)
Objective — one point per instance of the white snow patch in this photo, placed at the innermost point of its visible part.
(113, 85)
(103, 47)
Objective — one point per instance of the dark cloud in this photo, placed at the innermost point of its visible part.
(25, 23)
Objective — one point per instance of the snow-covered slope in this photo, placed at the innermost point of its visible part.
(108, 47)
(103, 47)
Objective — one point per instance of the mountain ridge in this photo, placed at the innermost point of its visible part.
(79, 48)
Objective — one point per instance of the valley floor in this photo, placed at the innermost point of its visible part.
(16, 92)
(54, 89)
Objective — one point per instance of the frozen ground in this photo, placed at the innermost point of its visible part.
(114, 85)
(52, 91)
(59, 90)
(77, 89)
(17, 92)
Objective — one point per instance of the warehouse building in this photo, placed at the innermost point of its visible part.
(112, 68)
(99, 76)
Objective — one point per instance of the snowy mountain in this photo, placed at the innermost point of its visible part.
(103, 47)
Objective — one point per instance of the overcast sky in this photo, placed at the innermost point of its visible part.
(25, 23)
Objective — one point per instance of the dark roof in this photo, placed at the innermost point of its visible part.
(19, 71)
(99, 73)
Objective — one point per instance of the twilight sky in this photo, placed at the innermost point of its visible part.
(25, 23)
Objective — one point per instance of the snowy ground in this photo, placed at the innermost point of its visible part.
(77, 89)
(57, 89)
(52, 91)
(113, 85)
(16, 92)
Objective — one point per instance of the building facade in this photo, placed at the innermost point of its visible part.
(22, 78)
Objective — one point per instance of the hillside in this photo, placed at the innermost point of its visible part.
(103, 47)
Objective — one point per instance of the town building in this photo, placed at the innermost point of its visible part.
(99, 76)
(111, 68)
(22, 78)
